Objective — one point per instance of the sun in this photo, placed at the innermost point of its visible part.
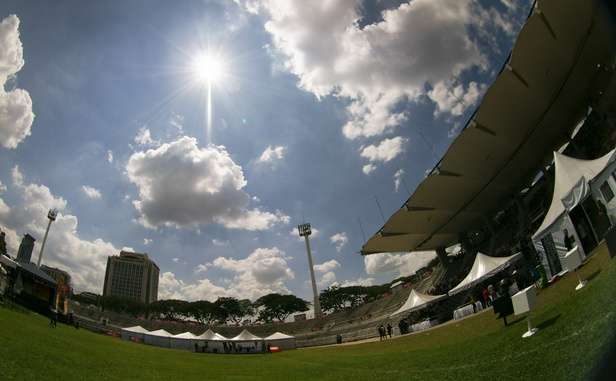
(208, 68)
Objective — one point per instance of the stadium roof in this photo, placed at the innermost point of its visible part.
(529, 111)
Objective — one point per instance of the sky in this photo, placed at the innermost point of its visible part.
(327, 112)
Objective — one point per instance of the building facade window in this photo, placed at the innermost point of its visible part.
(606, 191)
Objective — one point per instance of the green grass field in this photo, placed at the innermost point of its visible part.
(574, 330)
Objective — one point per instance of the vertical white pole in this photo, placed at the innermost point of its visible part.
(43, 244)
(317, 304)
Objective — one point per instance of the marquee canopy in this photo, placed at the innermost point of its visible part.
(483, 267)
(571, 181)
(136, 329)
(211, 335)
(417, 300)
(185, 335)
(530, 110)
(279, 336)
(246, 336)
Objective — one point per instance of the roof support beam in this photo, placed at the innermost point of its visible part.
(517, 75)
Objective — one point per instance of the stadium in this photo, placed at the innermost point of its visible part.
(519, 211)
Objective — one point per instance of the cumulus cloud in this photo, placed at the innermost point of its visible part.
(2, 187)
(454, 99)
(91, 192)
(368, 169)
(84, 259)
(339, 240)
(16, 114)
(272, 154)
(182, 185)
(169, 287)
(376, 66)
(262, 272)
(386, 150)
(218, 242)
(325, 272)
(403, 264)
(147, 241)
(109, 156)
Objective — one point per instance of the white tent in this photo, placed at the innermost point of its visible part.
(211, 335)
(159, 338)
(135, 333)
(246, 336)
(281, 340)
(483, 267)
(574, 181)
(184, 340)
(416, 301)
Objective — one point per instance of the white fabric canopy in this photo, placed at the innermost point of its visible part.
(136, 329)
(159, 338)
(417, 300)
(211, 335)
(571, 184)
(483, 267)
(185, 335)
(246, 336)
(279, 336)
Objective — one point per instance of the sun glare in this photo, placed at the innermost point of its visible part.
(207, 68)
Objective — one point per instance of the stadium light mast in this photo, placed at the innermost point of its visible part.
(51, 215)
(305, 231)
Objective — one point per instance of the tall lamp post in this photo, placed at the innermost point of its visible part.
(51, 215)
(305, 231)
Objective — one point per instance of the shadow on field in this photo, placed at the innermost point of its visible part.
(593, 275)
(546, 323)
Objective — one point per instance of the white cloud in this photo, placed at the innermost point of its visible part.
(327, 266)
(91, 192)
(175, 260)
(202, 268)
(339, 240)
(272, 154)
(368, 169)
(386, 150)
(454, 99)
(144, 138)
(16, 114)
(2, 187)
(109, 156)
(182, 185)
(128, 249)
(403, 264)
(398, 178)
(326, 273)
(264, 271)
(169, 287)
(84, 259)
(147, 241)
(379, 65)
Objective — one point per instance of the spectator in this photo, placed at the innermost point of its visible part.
(381, 332)
(390, 330)
(485, 295)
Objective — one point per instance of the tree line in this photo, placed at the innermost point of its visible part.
(268, 308)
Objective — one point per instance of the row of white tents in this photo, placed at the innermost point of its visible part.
(483, 268)
(208, 341)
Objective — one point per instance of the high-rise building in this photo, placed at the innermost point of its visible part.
(60, 276)
(3, 243)
(25, 249)
(133, 276)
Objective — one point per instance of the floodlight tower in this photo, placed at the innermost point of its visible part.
(305, 231)
(51, 215)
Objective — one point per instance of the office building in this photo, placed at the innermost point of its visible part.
(133, 276)
(25, 249)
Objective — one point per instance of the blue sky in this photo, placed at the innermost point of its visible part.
(323, 105)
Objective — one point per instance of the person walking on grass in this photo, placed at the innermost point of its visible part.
(53, 318)
(390, 330)
(381, 332)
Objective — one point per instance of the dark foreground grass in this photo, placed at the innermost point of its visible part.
(575, 328)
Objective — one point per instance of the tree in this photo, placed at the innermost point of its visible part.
(170, 309)
(230, 309)
(123, 305)
(337, 298)
(205, 312)
(279, 307)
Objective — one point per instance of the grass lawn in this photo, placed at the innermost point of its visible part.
(574, 327)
